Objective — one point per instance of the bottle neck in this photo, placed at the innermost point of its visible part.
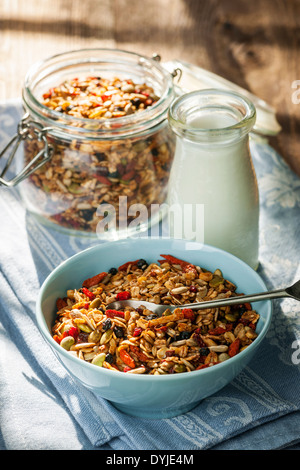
(212, 117)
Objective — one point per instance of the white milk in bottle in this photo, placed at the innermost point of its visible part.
(212, 179)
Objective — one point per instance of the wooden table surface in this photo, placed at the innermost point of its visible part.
(254, 44)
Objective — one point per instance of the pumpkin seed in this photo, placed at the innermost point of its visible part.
(84, 327)
(232, 317)
(99, 359)
(180, 368)
(95, 303)
(67, 342)
(218, 272)
(106, 336)
(223, 357)
(94, 336)
(216, 281)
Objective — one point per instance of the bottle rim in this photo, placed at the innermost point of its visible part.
(212, 100)
(110, 128)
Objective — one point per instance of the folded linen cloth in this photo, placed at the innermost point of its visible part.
(43, 407)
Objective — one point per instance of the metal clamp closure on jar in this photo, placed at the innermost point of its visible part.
(25, 127)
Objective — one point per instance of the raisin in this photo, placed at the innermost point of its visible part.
(204, 351)
(109, 358)
(82, 337)
(184, 335)
(113, 271)
(106, 325)
(142, 264)
(87, 214)
(152, 316)
(100, 156)
(118, 330)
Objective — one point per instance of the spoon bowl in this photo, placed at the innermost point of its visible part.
(292, 291)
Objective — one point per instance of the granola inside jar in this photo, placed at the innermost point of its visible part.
(104, 114)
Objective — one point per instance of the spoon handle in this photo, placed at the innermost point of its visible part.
(241, 299)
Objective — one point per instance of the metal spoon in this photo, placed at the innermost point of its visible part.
(292, 291)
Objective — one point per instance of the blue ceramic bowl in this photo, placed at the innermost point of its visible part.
(149, 396)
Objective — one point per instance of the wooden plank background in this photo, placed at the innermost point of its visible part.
(255, 44)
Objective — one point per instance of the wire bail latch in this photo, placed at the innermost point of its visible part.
(24, 132)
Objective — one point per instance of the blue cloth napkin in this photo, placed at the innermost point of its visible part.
(43, 407)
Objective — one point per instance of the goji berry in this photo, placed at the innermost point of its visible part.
(124, 266)
(48, 94)
(57, 339)
(142, 357)
(61, 303)
(114, 313)
(88, 293)
(197, 337)
(234, 348)
(128, 176)
(202, 366)
(184, 264)
(102, 179)
(189, 314)
(93, 281)
(244, 321)
(125, 295)
(161, 328)
(127, 359)
(217, 331)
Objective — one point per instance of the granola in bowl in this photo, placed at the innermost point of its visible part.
(137, 341)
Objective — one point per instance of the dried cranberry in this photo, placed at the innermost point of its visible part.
(197, 337)
(193, 289)
(82, 337)
(125, 295)
(73, 331)
(137, 331)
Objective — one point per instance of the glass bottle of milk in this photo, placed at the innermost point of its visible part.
(213, 193)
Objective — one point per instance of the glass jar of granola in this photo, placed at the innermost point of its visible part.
(101, 113)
